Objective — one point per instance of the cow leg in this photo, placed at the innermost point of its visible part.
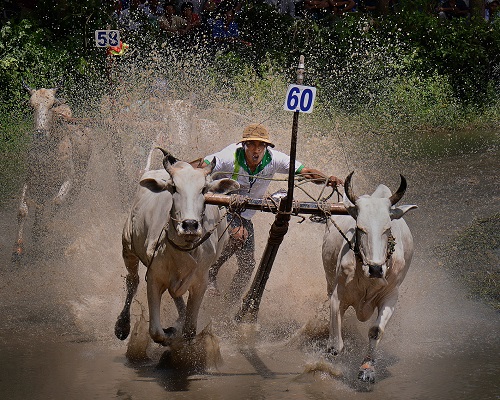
(22, 215)
(337, 310)
(181, 310)
(193, 307)
(367, 370)
(155, 291)
(122, 326)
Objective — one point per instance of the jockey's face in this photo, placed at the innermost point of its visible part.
(254, 153)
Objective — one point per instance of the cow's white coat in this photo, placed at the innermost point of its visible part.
(169, 207)
(370, 279)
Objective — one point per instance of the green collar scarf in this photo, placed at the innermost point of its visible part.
(240, 159)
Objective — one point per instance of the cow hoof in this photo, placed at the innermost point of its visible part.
(122, 327)
(367, 372)
(170, 332)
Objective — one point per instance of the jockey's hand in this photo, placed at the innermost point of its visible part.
(333, 181)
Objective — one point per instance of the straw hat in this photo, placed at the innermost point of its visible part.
(256, 132)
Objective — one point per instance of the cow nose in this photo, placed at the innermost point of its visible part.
(376, 271)
(190, 225)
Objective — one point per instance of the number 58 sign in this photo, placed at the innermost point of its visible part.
(300, 98)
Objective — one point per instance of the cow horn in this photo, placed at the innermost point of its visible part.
(210, 167)
(400, 192)
(168, 159)
(25, 85)
(348, 189)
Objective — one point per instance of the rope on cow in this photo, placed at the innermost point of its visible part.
(323, 206)
(237, 204)
(202, 240)
(186, 249)
(327, 216)
(164, 229)
(352, 246)
(391, 245)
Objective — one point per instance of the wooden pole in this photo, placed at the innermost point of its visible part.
(251, 302)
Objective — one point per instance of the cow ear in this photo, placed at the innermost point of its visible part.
(210, 167)
(156, 183)
(351, 208)
(223, 186)
(398, 212)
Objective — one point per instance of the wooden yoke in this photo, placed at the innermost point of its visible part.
(265, 205)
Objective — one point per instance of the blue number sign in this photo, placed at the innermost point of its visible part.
(105, 38)
(300, 98)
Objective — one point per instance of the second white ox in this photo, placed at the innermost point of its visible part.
(58, 156)
(366, 256)
(176, 236)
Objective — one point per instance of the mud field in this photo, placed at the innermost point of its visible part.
(59, 305)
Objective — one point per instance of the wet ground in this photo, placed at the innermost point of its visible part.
(60, 304)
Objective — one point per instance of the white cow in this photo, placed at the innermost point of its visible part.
(177, 237)
(366, 256)
(58, 157)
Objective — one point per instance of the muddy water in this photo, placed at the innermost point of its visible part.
(59, 305)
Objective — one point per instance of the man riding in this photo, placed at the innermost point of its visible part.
(252, 162)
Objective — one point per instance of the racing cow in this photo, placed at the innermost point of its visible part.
(58, 156)
(177, 237)
(366, 256)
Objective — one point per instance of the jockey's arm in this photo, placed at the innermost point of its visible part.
(319, 177)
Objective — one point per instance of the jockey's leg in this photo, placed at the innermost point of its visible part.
(234, 242)
(245, 256)
(227, 252)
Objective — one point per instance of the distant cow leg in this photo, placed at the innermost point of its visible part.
(122, 326)
(367, 370)
(65, 157)
(21, 219)
(40, 229)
